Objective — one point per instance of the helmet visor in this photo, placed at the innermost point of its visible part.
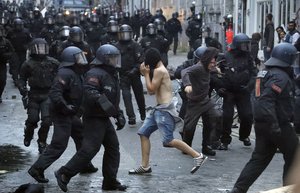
(113, 60)
(40, 49)
(113, 28)
(64, 33)
(80, 59)
(151, 31)
(125, 36)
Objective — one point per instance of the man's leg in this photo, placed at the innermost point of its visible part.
(146, 146)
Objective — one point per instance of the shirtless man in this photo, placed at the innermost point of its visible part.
(163, 116)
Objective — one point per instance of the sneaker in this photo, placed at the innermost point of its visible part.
(115, 185)
(38, 175)
(198, 162)
(246, 141)
(140, 170)
(207, 150)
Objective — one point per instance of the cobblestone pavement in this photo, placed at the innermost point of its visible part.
(171, 169)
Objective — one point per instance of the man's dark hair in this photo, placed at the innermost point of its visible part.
(152, 57)
(208, 55)
(269, 16)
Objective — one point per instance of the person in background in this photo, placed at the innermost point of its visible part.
(256, 37)
(268, 38)
(293, 35)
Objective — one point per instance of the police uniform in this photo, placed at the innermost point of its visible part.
(131, 58)
(101, 101)
(272, 109)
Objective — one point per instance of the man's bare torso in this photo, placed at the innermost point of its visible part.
(164, 91)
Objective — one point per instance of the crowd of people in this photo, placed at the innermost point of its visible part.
(71, 71)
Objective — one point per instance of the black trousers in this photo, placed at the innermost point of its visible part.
(134, 82)
(243, 104)
(97, 132)
(210, 117)
(266, 145)
(297, 114)
(15, 64)
(64, 127)
(38, 108)
(174, 39)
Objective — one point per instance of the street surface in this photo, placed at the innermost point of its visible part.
(170, 168)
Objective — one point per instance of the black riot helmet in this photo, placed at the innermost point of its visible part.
(18, 24)
(125, 33)
(39, 47)
(160, 25)
(151, 29)
(283, 55)
(59, 18)
(76, 34)
(109, 55)
(64, 33)
(241, 42)
(198, 53)
(112, 26)
(71, 56)
(94, 18)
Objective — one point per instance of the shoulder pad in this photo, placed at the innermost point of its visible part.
(262, 74)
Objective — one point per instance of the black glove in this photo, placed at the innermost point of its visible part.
(221, 92)
(69, 110)
(120, 120)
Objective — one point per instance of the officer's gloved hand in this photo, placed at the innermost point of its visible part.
(120, 120)
(221, 92)
(69, 110)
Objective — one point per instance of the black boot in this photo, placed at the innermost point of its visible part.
(207, 150)
(38, 175)
(113, 185)
(62, 180)
(90, 168)
(28, 135)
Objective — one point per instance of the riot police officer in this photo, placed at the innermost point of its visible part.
(111, 36)
(76, 38)
(153, 40)
(50, 30)
(20, 38)
(194, 29)
(94, 32)
(102, 96)
(65, 101)
(6, 50)
(38, 73)
(131, 58)
(237, 83)
(173, 27)
(63, 34)
(272, 104)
